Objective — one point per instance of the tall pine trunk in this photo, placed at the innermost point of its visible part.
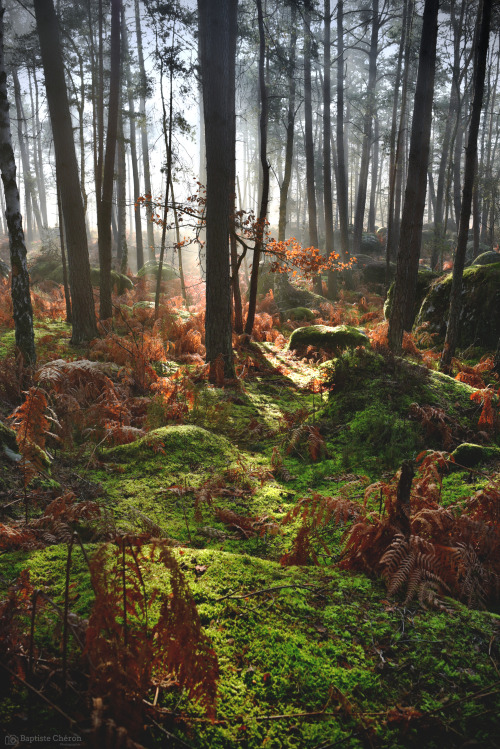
(483, 24)
(413, 209)
(261, 221)
(106, 198)
(144, 132)
(359, 216)
(217, 29)
(20, 283)
(84, 322)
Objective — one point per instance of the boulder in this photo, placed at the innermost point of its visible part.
(334, 339)
(487, 258)
(52, 270)
(288, 296)
(469, 455)
(479, 323)
(370, 244)
(374, 272)
(150, 270)
(299, 313)
(469, 253)
(425, 278)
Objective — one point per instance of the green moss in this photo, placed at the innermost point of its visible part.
(479, 320)
(469, 455)
(175, 446)
(335, 338)
(368, 419)
(424, 280)
(291, 641)
(150, 269)
(298, 313)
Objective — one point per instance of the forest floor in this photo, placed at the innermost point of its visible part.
(272, 499)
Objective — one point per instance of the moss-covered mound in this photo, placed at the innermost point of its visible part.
(370, 244)
(479, 319)
(384, 410)
(4, 269)
(469, 455)
(374, 272)
(334, 339)
(308, 658)
(52, 270)
(7, 437)
(469, 253)
(487, 258)
(150, 270)
(424, 280)
(182, 446)
(289, 296)
(299, 313)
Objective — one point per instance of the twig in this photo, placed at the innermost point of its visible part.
(268, 590)
(170, 735)
(26, 684)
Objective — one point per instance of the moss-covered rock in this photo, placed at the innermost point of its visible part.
(119, 282)
(370, 411)
(43, 268)
(299, 313)
(8, 438)
(52, 270)
(4, 269)
(374, 272)
(424, 280)
(469, 455)
(176, 446)
(487, 258)
(150, 270)
(334, 339)
(469, 253)
(479, 319)
(370, 244)
(289, 296)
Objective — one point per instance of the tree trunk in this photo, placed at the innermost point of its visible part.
(144, 132)
(396, 139)
(341, 146)
(133, 145)
(413, 209)
(20, 281)
(367, 131)
(259, 239)
(106, 198)
(67, 295)
(483, 24)
(84, 323)
(121, 193)
(327, 149)
(217, 32)
(309, 141)
(374, 177)
(290, 127)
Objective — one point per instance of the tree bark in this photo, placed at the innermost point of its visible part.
(327, 149)
(342, 198)
(413, 209)
(133, 145)
(20, 282)
(359, 216)
(144, 132)
(106, 198)
(290, 127)
(84, 323)
(217, 29)
(261, 221)
(309, 140)
(483, 24)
